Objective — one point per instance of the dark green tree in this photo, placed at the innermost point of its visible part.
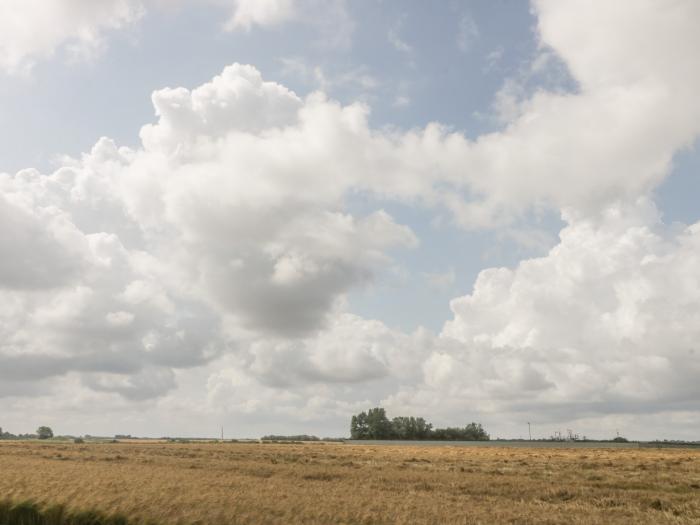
(423, 429)
(402, 428)
(358, 426)
(44, 432)
(410, 428)
(475, 432)
(378, 425)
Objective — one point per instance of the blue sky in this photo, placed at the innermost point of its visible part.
(558, 158)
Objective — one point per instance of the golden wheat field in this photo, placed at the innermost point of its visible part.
(326, 483)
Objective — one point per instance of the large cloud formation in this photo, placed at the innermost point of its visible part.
(225, 246)
(228, 225)
(607, 321)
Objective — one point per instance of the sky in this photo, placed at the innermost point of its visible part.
(269, 215)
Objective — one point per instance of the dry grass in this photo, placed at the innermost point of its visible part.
(335, 483)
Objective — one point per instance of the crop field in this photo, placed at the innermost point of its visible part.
(222, 483)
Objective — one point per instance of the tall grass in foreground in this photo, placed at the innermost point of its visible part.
(30, 513)
(339, 484)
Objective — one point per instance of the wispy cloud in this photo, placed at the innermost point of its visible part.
(359, 77)
(441, 280)
(467, 33)
(394, 36)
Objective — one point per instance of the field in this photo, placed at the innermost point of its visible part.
(209, 483)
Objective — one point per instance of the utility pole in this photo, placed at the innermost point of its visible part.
(529, 431)
(222, 432)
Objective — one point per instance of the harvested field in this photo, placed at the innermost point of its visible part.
(335, 483)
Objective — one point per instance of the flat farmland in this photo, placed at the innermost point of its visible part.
(222, 483)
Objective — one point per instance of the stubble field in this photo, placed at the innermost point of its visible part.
(228, 483)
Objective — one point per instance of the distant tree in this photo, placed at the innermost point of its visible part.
(6, 435)
(410, 428)
(378, 425)
(448, 434)
(475, 432)
(358, 426)
(402, 428)
(472, 432)
(423, 428)
(620, 439)
(44, 432)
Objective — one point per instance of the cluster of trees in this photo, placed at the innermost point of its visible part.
(374, 424)
(41, 433)
(300, 437)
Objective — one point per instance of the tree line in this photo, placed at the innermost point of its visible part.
(374, 424)
(41, 433)
(299, 437)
